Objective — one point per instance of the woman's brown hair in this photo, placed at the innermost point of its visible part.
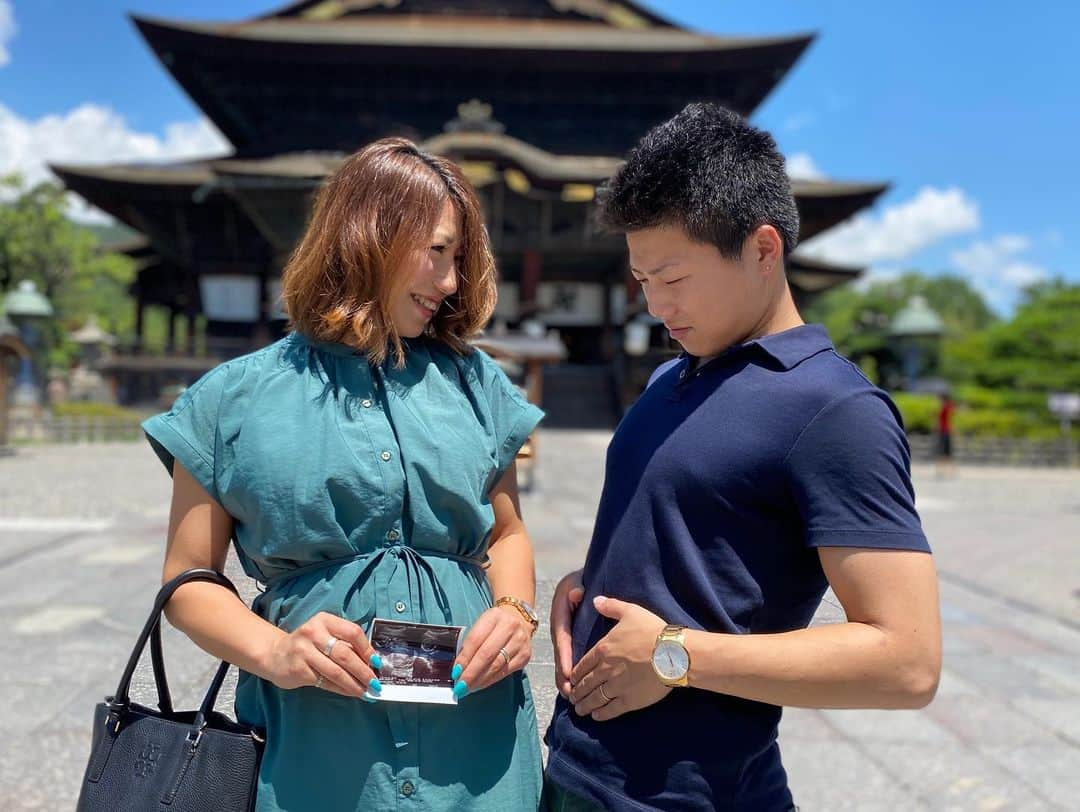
(379, 207)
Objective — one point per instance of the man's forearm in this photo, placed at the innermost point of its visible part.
(843, 665)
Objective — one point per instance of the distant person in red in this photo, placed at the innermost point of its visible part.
(944, 433)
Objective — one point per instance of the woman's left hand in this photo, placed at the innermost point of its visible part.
(481, 661)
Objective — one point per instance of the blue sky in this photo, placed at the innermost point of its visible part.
(970, 110)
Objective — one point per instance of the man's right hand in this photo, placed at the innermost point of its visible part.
(568, 595)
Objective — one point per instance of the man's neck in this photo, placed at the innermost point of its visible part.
(783, 315)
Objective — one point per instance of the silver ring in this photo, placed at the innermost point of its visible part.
(603, 693)
(506, 656)
(329, 647)
(319, 680)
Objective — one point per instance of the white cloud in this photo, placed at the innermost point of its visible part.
(7, 30)
(875, 275)
(92, 134)
(995, 268)
(899, 231)
(801, 166)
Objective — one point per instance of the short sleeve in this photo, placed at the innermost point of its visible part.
(512, 416)
(849, 473)
(189, 432)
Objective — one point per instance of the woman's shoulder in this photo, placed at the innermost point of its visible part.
(238, 375)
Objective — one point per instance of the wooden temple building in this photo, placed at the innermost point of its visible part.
(537, 99)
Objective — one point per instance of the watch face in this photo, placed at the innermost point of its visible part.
(671, 660)
(530, 611)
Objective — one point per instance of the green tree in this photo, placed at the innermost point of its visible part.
(1037, 351)
(858, 318)
(38, 242)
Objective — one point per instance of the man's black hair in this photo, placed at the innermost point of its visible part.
(708, 171)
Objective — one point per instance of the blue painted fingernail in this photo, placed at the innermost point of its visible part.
(367, 698)
(456, 672)
(374, 686)
(460, 688)
(376, 662)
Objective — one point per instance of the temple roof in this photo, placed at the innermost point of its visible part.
(466, 33)
(566, 83)
(456, 32)
(822, 203)
(813, 275)
(622, 13)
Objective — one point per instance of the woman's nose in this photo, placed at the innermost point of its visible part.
(448, 282)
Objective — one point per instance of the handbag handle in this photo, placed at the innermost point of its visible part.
(152, 632)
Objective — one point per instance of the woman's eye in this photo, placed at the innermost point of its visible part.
(438, 248)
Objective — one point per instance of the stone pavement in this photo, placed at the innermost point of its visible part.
(81, 539)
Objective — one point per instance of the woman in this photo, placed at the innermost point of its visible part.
(364, 465)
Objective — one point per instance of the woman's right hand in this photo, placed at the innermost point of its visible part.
(568, 595)
(299, 658)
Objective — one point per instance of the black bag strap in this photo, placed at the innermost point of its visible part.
(152, 632)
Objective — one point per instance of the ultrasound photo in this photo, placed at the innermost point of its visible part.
(415, 654)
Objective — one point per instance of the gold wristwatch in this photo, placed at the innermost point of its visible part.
(670, 659)
(526, 611)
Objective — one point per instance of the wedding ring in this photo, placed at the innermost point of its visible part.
(506, 656)
(329, 647)
(603, 693)
(319, 680)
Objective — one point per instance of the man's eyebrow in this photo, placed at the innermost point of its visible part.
(653, 271)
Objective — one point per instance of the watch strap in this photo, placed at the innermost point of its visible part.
(519, 605)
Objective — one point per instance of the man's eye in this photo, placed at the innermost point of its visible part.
(640, 281)
(673, 281)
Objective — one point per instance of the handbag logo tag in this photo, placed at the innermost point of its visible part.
(147, 761)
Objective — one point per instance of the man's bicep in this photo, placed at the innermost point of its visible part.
(895, 590)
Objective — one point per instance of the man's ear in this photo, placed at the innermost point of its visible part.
(768, 247)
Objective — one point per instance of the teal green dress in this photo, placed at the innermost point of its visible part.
(362, 491)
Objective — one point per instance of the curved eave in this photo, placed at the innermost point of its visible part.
(824, 204)
(296, 9)
(814, 276)
(463, 33)
(538, 164)
(113, 188)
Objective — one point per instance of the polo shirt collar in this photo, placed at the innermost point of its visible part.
(788, 348)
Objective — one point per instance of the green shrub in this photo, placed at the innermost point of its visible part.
(93, 409)
(919, 411)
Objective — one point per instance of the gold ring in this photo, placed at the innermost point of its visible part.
(603, 693)
(506, 656)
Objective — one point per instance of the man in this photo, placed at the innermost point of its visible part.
(756, 469)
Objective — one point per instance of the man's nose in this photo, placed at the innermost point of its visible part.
(660, 307)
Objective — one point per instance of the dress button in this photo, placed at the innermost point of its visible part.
(408, 788)
(400, 607)
(365, 403)
(393, 535)
(385, 456)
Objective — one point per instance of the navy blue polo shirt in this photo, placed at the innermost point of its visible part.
(720, 483)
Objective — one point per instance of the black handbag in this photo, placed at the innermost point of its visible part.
(183, 761)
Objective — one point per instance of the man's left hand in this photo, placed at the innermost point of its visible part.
(620, 664)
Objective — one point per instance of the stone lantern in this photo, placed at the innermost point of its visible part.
(12, 350)
(28, 311)
(916, 331)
